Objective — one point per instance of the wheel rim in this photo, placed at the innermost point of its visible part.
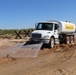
(71, 39)
(52, 43)
(68, 40)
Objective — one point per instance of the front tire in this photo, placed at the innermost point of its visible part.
(51, 43)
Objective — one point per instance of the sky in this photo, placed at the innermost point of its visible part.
(22, 14)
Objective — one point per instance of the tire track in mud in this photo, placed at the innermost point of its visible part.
(63, 71)
(66, 54)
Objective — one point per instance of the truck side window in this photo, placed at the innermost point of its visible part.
(56, 27)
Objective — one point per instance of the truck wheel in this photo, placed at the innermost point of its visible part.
(61, 41)
(67, 39)
(72, 39)
(52, 43)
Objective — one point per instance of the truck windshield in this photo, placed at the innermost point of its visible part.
(44, 26)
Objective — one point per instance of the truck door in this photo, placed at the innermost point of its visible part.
(56, 30)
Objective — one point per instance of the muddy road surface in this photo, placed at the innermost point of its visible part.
(61, 60)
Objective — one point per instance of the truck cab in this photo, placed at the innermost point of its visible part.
(45, 32)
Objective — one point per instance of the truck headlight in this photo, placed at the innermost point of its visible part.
(46, 37)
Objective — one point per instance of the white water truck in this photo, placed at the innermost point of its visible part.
(53, 32)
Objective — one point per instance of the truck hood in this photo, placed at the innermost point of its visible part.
(40, 31)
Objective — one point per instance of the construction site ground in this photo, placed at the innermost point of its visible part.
(61, 60)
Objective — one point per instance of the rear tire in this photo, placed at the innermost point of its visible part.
(72, 39)
(67, 39)
(51, 43)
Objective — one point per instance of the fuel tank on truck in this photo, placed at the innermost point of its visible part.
(64, 27)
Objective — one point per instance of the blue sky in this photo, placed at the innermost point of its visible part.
(19, 14)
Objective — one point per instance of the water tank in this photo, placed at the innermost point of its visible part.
(64, 27)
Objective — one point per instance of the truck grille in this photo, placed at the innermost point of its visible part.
(35, 35)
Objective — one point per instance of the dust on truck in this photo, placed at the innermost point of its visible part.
(53, 32)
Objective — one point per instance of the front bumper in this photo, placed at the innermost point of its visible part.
(45, 41)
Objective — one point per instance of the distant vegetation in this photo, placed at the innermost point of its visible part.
(10, 33)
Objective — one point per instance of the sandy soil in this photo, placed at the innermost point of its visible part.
(61, 60)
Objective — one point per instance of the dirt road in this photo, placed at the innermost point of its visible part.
(60, 60)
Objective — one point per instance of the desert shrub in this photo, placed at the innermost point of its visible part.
(9, 33)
